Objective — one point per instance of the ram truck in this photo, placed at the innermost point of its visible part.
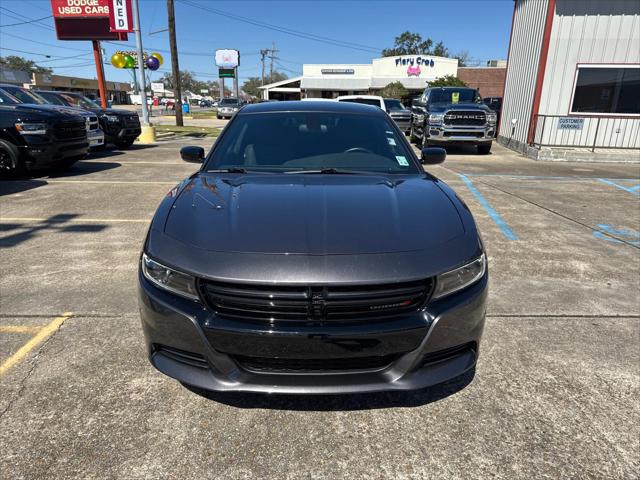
(452, 116)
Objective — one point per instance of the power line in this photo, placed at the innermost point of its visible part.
(23, 23)
(288, 31)
(42, 43)
(50, 57)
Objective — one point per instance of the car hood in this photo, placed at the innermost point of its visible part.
(312, 214)
(443, 107)
(45, 111)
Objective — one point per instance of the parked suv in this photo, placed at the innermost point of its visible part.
(38, 136)
(228, 107)
(120, 127)
(396, 110)
(95, 135)
(452, 115)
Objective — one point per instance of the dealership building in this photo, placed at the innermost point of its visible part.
(572, 88)
(332, 80)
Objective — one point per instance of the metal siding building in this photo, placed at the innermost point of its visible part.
(550, 41)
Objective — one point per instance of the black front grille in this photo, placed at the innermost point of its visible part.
(464, 117)
(69, 130)
(272, 303)
(277, 365)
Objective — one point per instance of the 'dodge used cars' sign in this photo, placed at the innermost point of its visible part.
(80, 8)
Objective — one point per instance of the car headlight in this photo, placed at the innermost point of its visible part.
(436, 118)
(450, 282)
(169, 279)
(31, 128)
(112, 118)
(492, 117)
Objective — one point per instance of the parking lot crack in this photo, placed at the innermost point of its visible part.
(33, 364)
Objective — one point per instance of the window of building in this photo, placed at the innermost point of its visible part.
(607, 89)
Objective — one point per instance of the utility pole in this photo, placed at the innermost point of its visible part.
(273, 57)
(175, 68)
(263, 53)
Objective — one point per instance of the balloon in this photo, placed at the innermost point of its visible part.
(129, 61)
(159, 57)
(118, 60)
(152, 63)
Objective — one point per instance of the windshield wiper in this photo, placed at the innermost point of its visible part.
(325, 171)
(228, 170)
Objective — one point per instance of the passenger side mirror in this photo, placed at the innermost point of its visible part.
(433, 155)
(192, 154)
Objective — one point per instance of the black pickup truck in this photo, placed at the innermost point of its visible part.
(39, 136)
(120, 127)
(452, 115)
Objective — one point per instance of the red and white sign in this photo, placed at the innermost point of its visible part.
(120, 17)
(80, 8)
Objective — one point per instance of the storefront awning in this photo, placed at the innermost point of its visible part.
(320, 83)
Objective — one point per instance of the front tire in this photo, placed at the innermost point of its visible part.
(124, 144)
(484, 149)
(10, 163)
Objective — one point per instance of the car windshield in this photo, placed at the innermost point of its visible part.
(312, 141)
(229, 101)
(366, 101)
(454, 95)
(52, 98)
(6, 99)
(25, 96)
(393, 105)
(79, 101)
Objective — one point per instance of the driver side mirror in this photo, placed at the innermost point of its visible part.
(192, 154)
(433, 155)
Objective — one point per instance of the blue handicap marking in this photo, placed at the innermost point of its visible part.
(629, 236)
(633, 189)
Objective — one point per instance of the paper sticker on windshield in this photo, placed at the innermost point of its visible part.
(391, 141)
(455, 97)
(402, 160)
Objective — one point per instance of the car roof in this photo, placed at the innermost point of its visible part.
(369, 97)
(311, 106)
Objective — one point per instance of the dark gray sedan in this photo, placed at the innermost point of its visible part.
(312, 254)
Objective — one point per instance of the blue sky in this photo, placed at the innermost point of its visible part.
(478, 26)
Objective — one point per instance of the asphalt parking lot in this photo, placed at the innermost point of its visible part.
(555, 393)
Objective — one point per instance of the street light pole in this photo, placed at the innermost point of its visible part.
(143, 88)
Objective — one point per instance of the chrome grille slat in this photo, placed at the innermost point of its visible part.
(465, 118)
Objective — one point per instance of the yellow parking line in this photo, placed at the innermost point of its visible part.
(19, 329)
(40, 337)
(73, 220)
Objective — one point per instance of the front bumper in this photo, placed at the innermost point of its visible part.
(461, 134)
(188, 342)
(42, 152)
(95, 137)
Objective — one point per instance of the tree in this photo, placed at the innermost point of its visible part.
(252, 84)
(408, 43)
(187, 81)
(394, 90)
(13, 62)
(447, 81)
(464, 58)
